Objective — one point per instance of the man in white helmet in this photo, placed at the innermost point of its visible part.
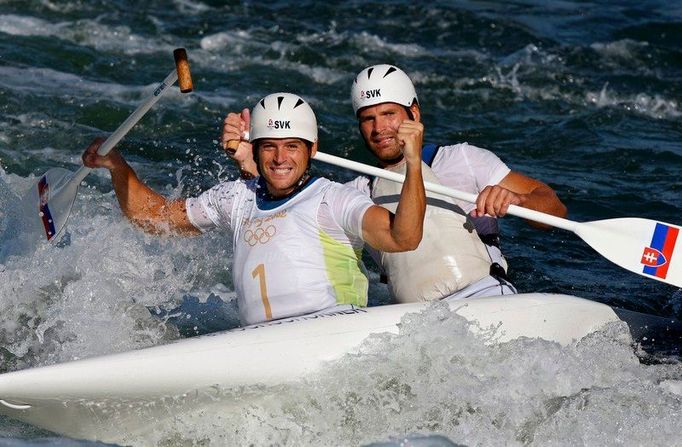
(452, 260)
(296, 238)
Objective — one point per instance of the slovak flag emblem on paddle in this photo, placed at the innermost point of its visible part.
(652, 257)
(656, 257)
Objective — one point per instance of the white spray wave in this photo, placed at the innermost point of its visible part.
(93, 293)
(435, 379)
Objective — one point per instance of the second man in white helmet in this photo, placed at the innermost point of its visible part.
(459, 255)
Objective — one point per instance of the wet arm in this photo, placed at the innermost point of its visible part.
(148, 209)
(518, 189)
(139, 203)
(402, 231)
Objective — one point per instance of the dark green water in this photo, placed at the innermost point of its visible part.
(586, 96)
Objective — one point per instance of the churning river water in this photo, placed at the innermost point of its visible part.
(585, 96)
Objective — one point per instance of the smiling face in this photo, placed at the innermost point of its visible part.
(379, 128)
(282, 162)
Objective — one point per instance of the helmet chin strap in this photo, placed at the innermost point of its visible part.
(303, 180)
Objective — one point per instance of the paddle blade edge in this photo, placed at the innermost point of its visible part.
(47, 205)
(650, 248)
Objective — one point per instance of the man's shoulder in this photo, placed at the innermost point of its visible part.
(233, 187)
(458, 147)
(459, 151)
(359, 183)
(346, 193)
(351, 187)
(319, 185)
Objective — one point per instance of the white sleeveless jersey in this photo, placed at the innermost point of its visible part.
(291, 257)
(450, 255)
(469, 168)
(466, 168)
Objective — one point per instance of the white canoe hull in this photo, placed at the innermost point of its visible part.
(84, 398)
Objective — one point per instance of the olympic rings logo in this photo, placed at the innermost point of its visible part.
(259, 235)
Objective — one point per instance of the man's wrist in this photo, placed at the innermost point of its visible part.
(247, 169)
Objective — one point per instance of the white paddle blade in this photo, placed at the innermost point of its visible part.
(646, 247)
(48, 204)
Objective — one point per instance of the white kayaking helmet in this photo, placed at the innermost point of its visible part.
(382, 83)
(283, 115)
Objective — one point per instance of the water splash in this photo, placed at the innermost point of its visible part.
(102, 289)
(655, 106)
(437, 381)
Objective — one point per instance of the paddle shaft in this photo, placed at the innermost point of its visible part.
(128, 124)
(515, 210)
